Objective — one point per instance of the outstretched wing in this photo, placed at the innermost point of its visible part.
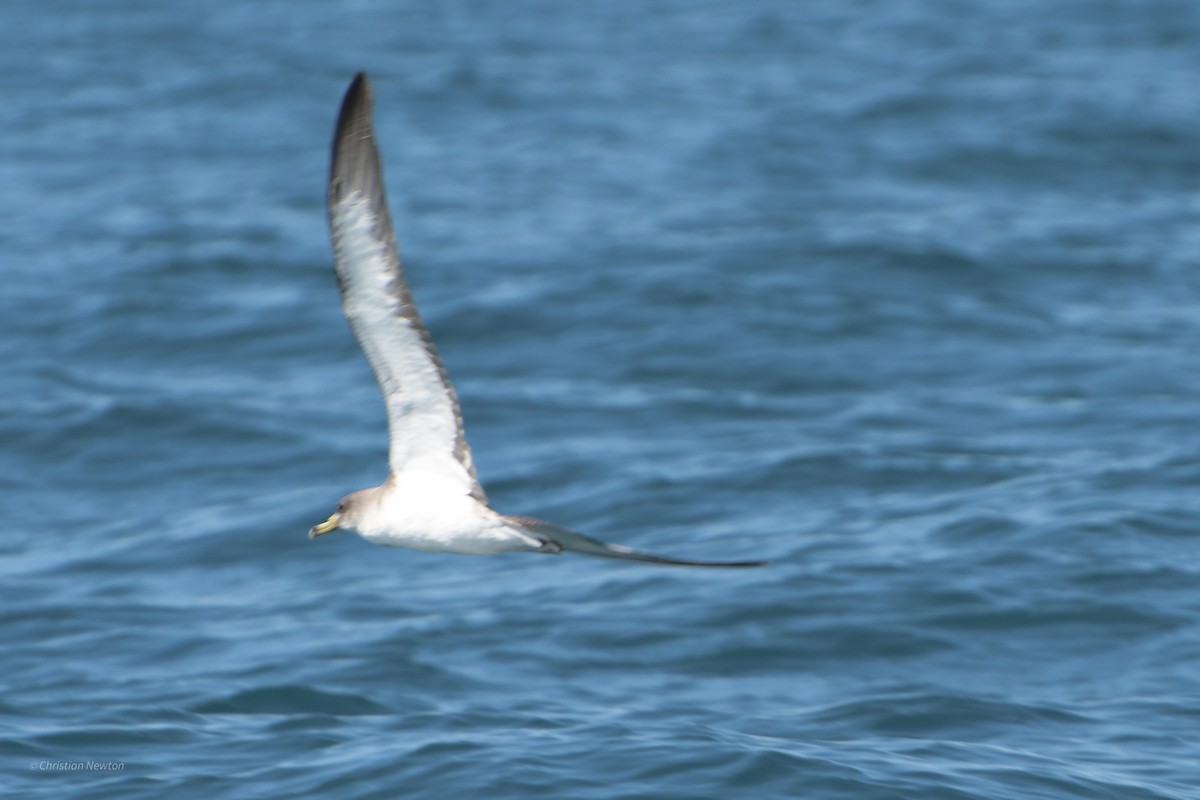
(424, 422)
(573, 542)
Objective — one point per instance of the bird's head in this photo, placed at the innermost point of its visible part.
(346, 515)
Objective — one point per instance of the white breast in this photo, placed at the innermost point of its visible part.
(420, 509)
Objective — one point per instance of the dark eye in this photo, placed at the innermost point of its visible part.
(340, 508)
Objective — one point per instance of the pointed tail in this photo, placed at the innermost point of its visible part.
(574, 542)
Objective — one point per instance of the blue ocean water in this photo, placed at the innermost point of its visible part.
(902, 296)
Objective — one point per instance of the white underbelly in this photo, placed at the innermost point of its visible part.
(442, 524)
(449, 539)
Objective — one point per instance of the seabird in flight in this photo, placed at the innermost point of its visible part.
(432, 499)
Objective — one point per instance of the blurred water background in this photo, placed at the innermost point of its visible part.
(903, 296)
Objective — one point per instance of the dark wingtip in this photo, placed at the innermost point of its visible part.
(574, 541)
(359, 83)
(359, 89)
(354, 161)
(687, 562)
(356, 108)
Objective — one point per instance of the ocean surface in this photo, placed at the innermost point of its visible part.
(901, 296)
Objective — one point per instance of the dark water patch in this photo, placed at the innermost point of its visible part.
(114, 739)
(983, 527)
(290, 700)
(958, 717)
(1081, 618)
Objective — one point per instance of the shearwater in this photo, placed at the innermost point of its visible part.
(432, 499)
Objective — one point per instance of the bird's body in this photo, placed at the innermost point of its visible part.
(432, 499)
(420, 511)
